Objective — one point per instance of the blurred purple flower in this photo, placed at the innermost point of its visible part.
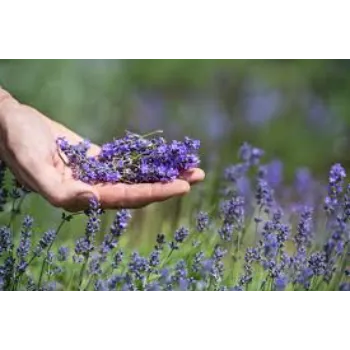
(303, 180)
(214, 119)
(274, 173)
(149, 110)
(281, 282)
(260, 103)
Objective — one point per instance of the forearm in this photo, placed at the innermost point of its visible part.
(7, 104)
(3, 93)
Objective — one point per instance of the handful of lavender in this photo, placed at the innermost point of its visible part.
(132, 159)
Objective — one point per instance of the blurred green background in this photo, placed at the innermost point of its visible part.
(296, 110)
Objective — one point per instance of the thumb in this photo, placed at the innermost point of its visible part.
(72, 195)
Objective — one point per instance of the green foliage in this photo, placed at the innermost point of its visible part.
(100, 99)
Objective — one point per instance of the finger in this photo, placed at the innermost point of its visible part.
(70, 194)
(193, 176)
(138, 195)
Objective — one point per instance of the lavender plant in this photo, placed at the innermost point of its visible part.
(258, 239)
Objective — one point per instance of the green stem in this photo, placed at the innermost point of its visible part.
(343, 263)
(155, 132)
(88, 284)
(82, 270)
(171, 252)
(19, 276)
(59, 151)
(47, 252)
(240, 240)
(13, 214)
(257, 223)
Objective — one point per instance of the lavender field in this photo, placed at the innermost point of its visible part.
(271, 215)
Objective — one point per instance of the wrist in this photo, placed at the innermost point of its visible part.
(7, 102)
(4, 95)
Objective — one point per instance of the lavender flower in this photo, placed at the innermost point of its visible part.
(181, 234)
(47, 239)
(153, 287)
(95, 266)
(317, 263)
(226, 232)
(63, 254)
(85, 244)
(339, 237)
(21, 266)
(274, 173)
(120, 223)
(346, 205)
(233, 212)
(23, 248)
(50, 286)
(335, 188)
(179, 237)
(344, 287)
(304, 236)
(270, 245)
(217, 270)
(25, 243)
(6, 272)
(236, 289)
(250, 155)
(160, 241)
(235, 172)
(154, 258)
(118, 258)
(202, 221)
(180, 275)
(264, 193)
(113, 281)
(198, 258)
(251, 255)
(281, 282)
(108, 244)
(303, 181)
(6, 244)
(93, 214)
(101, 286)
(138, 266)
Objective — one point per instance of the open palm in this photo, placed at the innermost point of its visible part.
(28, 146)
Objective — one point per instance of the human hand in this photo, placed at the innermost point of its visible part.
(28, 147)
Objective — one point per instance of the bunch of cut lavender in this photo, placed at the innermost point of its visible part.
(132, 159)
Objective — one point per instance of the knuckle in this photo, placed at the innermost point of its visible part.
(58, 200)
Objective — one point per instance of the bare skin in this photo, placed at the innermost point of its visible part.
(28, 146)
